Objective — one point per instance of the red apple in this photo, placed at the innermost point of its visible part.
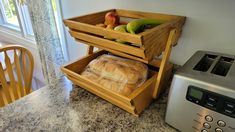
(111, 18)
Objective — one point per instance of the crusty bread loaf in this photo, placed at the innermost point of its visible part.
(120, 88)
(119, 69)
(117, 74)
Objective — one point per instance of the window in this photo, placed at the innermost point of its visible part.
(9, 12)
(59, 23)
(16, 17)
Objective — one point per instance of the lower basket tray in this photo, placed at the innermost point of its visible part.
(135, 103)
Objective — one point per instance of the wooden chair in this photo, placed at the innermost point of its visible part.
(15, 73)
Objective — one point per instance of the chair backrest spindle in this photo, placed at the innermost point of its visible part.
(11, 75)
(19, 73)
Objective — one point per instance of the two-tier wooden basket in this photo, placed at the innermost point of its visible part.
(146, 45)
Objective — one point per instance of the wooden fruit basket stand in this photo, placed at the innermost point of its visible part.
(146, 45)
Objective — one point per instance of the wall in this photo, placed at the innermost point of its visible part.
(209, 26)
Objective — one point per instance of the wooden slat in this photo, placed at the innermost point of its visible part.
(144, 97)
(139, 14)
(141, 89)
(29, 68)
(103, 95)
(19, 74)
(115, 52)
(24, 66)
(11, 76)
(102, 89)
(132, 38)
(165, 78)
(157, 47)
(91, 18)
(5, 86)
(109, 44)
(164, 62)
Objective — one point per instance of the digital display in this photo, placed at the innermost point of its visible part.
(195, 93)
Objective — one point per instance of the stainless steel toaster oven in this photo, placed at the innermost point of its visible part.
(202, 94)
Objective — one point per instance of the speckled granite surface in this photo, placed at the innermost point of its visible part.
(64, 107)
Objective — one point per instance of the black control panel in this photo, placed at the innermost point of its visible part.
(216, 102)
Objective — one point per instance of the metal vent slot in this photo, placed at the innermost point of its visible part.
(223, 65)
(205, 63)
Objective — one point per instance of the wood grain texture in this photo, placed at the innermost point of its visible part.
(24, 66)
(142, 97)
(5, 91)
(141, 14)
(92, 29)
(11, 76)
(109, 44)
(103, 95)
(20, 75)
(118, 53)
(164, 64)
(93, 18)
(155, 39)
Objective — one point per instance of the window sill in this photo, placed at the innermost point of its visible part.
(14, 36)
(10, 27)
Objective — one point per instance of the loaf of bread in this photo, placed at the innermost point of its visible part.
(120, 88)
(117, 74)
(119, 69)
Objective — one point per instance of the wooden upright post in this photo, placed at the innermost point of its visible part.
(90, 50)
(164, 63)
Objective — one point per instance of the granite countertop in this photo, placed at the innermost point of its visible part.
(66, 107)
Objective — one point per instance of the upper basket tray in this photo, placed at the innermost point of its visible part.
(145, 45)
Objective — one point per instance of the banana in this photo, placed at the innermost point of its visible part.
(120, 28)
(137, 26)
